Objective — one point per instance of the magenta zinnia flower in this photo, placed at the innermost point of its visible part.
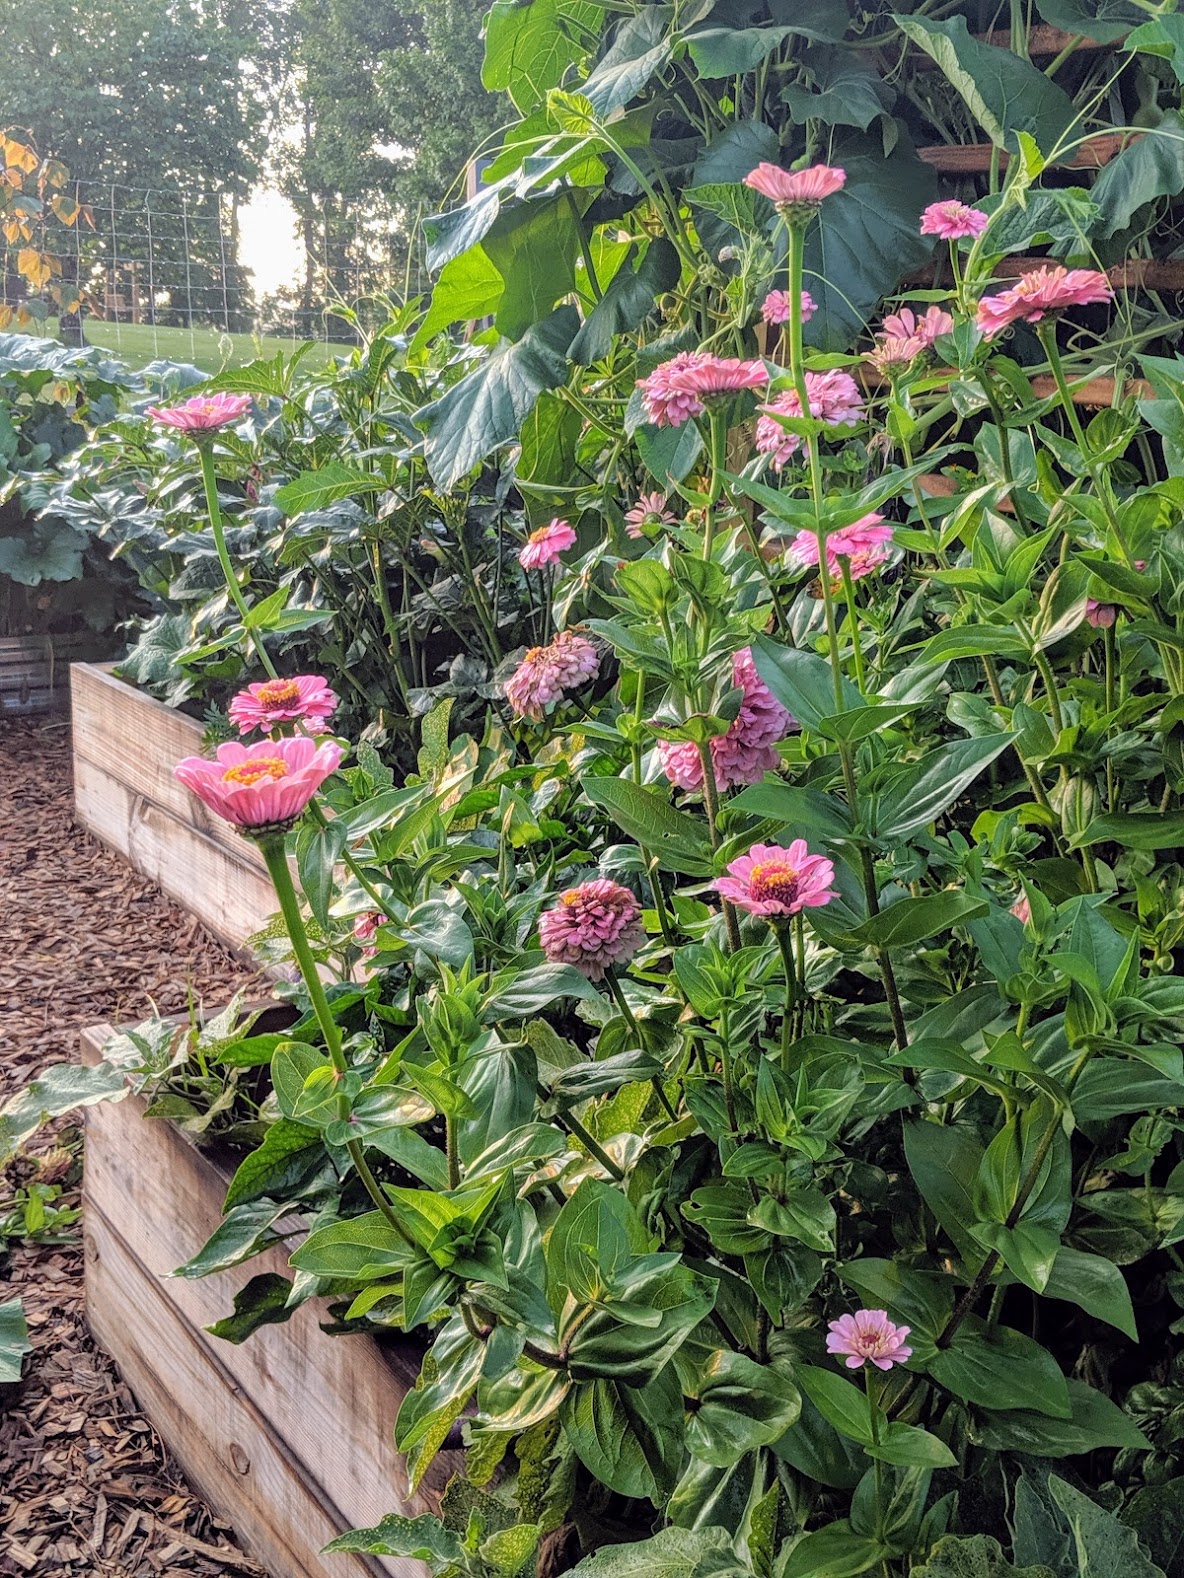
(202, 413)
(775, 307)
(1041, 292)
(677, 390)
(650, 510)
(544, 546)
(770, 880)
(803, 189)
(868, 1334)
(865, 545)
(745, 753)
(546, 673)
(927, 327)
(306, 699)
(834, 399)
(953, 221)
(592, 927)
(262, 787)
(366, 926)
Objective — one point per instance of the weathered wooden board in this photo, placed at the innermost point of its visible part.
(126, 745)
(288, 1435)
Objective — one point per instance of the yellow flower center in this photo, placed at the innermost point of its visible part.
(774, 880)
(541, 535)
(278, 693)
(256, 768)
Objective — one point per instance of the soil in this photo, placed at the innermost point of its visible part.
(86, 1487)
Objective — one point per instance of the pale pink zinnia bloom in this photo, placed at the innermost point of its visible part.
(261, 787)
(926, 327)
(306, 698)
(1040, 292)
(865, 545)
(834, 399)
(745, 753)
(678, 389)
(1022, 909)
(367, 924)
(1100, 615)
(650, 510)
(544, 546)
(793, 188)
(868, 1334)
(953, 221)
(775, 307)
(893, 351)
(593, 927)
(546, 673)
(202, 413)
(770, 880)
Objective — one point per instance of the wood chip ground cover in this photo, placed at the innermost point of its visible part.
(85, 1485)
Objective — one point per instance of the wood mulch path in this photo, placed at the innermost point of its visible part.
(85, 1485)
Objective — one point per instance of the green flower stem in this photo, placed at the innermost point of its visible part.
(997, 417)
(622, 1002)
(711, 805)
(591, 1145)
(799, 927)
(214, 509)
(1046, 331)
(853, 616)
(272, 849)
(874, 1421)
(717, 450)
(781, 930)
(1111, 671)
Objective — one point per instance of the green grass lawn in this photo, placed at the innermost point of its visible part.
(140, 343)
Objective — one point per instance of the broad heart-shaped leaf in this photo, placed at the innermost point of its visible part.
(646, 815)
(803, 682)
(910, 921)
(14, 1342)
(1146, 169)
(631, 1338)
(1156, 1513)
(866, 238)
(974, 1556)
(534, 247)
(469, 287)
(996, 1367)
(641, 48)
(59, 1089)
(917, 794)
(1096, 1285)
(1095, 1422)
(742, 1406)
(528, 47)
(263, 1302)
(488, 406)
(833, 1552)
(313, 490)
(423, 1539)
(671, 1553)
(1103, 20)
(847, 89)
(1004, 93)
(731, 51)
(629, 1438)
(51, 550)
(628, 301)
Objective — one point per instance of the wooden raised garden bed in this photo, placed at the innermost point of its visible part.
(126, 745)
(289, 1435)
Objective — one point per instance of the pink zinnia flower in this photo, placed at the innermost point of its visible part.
(865, 545)
(1100, 615)
(868, 1334)
(202, 413)
(775, 307)
(592, 927)
(893, 351)
(906, 325)
(544, 546)
(650, 510)
(745, 753)
(795, 188)
(770, 880)
(546, 673)
(677, 390)
(953, 221)
(1022, 909)
(834, 399)
(1040, 292)
(305, 698)
(263, 787)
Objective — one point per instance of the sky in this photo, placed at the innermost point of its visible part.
(268, 241)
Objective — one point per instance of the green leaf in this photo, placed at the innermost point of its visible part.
(839, 1401)
(362, 1247)
(647, 816)
(1094, 1422)
(446, 1383)
(805, 1215)
(533, 990)
(488, 406)
(973, 1556)
(422, 1539)
(922, 1300)
(59, 1089)
(1096, 1285)
(642, 47)
(802, 681)
(1003, 92)
(243, 1232)
(628, 301)
(907, 1446)
(742, 1406)
(627, 1437)
(288, 1153)
(996, 1367)
(528, 47)
(846, 89)
(1148, 168)
(732, 51)
(1103, 20)
(910, 921)
(534, 247)
(469, 287)
(1135, 830)
(1156, 1513)
(668, 453)
(944, 1162)
(671, 1553)
(834, 1552)
(314, 490)
(14, 1342)
(918, 794)
(263, 1302)
(595, 1234)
